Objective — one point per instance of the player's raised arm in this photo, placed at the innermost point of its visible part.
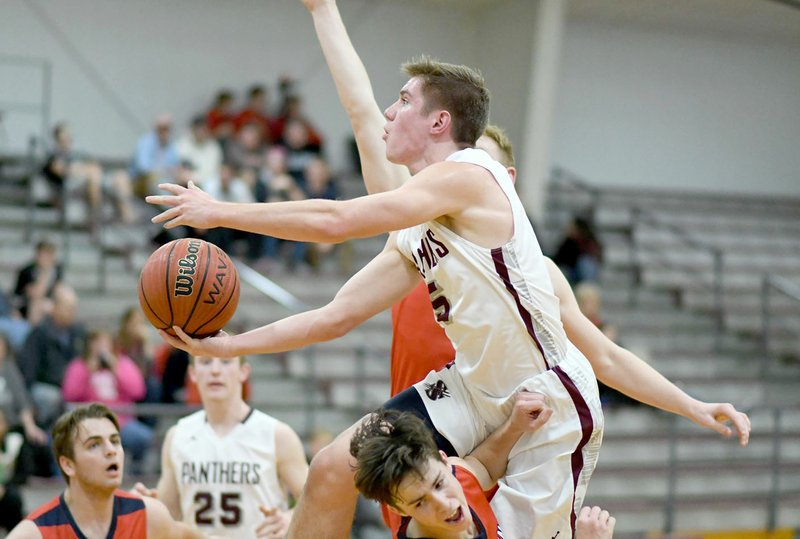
(624, 371)
(356, 95)
(386, 279)
(488, 461)
(25, 530)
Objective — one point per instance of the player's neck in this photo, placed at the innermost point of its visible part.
(224, 415)
(92, 509)
(435, 152)
(416, 530)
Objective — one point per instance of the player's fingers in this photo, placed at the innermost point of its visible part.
(604, 516)
(541, 419)
(177, 343)
(611, 523)
(193, 186)
(585, 510)
(594, 514)
(183, 336)
(166, 215)
(173, 188)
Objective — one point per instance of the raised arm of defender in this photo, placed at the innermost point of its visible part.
(357, 98)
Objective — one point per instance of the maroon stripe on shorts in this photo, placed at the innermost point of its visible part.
(502, 270)
(587, 426)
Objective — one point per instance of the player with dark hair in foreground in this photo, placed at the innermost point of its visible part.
(432, 495)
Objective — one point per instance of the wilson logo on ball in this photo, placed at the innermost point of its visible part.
(189, 283)
(186, 265)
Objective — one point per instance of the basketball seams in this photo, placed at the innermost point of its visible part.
(199, 289)
(163, 269)
(166, 285)
(147, 302)
(234, 294)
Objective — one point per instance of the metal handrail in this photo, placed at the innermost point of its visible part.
(641, 215)
(785, 287)
(772, 498)
(638, 215)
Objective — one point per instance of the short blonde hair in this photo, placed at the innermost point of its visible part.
(498, 135)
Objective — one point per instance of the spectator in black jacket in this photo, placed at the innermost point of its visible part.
(48, 349)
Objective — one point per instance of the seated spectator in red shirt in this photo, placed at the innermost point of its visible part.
(221, 119)
(255, 111)
(102, 375)
(292, 109)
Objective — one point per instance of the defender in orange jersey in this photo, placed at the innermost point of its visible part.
(88, 450)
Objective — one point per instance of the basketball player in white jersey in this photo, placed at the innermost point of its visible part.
(461, 226)
(228, 467)
(465, 231)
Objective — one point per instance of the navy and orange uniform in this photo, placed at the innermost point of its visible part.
(477, 500)
(129, 520)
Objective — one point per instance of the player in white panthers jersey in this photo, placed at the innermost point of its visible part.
(228, 468)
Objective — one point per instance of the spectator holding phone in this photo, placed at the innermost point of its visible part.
(101, 375)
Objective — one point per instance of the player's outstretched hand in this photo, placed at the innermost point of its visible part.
(189, 206)
(594, 523)
(530, 411)
(142, 490)
(724, 419)
(275, 524)
(216, 346)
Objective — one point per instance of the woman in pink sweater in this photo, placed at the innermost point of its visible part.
(102, 375)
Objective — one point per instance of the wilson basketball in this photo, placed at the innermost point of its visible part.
(191, 284)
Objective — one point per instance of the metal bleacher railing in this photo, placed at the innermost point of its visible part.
(640, 217)
(772, 284)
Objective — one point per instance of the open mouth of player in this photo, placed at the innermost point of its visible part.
(112, 469)
(456, 517)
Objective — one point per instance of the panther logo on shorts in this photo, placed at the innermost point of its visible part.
(436, 391)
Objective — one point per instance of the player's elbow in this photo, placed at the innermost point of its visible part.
(338, 321)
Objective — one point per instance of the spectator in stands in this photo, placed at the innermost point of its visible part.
(11, 512)
(246, 152)
(47, 351)
(12, 325)
(155, 158)
(37, 281)
(319, 184)
(200, 149)
(292, 109)
(16, 408)
(299, 152)
(228, 186)
(281, 187)
(68, 171)
(255, 112)
(580, 254)
(134, 340)
(589, 300)
(220, 119)
(102, 375)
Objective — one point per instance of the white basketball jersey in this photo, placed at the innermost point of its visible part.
(497, 306)
(223, 480)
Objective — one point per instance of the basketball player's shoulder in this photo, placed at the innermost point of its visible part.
(187, 426)
(26, 529)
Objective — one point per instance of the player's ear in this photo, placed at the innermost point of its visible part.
(192, 376)
(245, 369)
(396, 510)
(512, 171)
(443, 455)
(441, 122)
(67, 466)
